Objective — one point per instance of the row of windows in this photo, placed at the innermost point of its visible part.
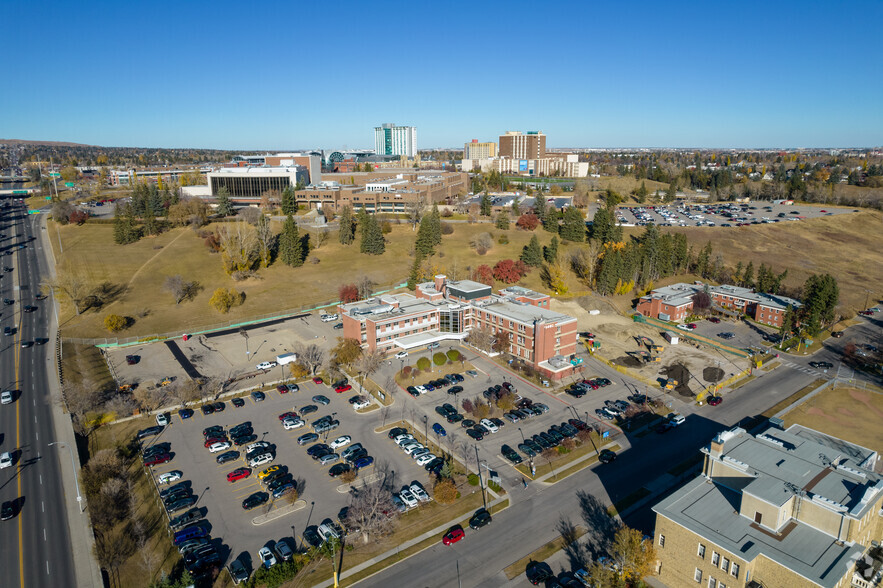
(717, 560)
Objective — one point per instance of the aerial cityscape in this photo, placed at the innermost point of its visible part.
(614, 320)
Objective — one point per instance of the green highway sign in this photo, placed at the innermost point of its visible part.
(24, 192)
(69, 184)
(33, 212)
(54, 175)
(48, 197)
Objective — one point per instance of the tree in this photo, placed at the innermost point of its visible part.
(347, 351)
(366, 287)
(289, 202)
(61, 212)
(125, 229)
(72, 286)
(291, 246)
(635, 555)
(223, 299)
(369, 361)
(552, 275)
(180, 288)
(550, 251)
(425, 243)
(346, 235)
(502, 221)
(311, 356)
(509, 272)
(372, 237)
(483, 274)
(115, 323)
(528, 221)
(225, 206)
(445, 491)
(266, 240)
(532, 254)
(672, 191)
(485, 204)
(348, 293)
(702, 301)
(371, 510)
(481, 338)
(539, 206)
(574, 226)
(641, 193)
(821, 294)
(239, 246)
(604, 227)
(502, 342)
(789, 321)
(748, 276)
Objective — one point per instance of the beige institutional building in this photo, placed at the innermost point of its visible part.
(784, 508)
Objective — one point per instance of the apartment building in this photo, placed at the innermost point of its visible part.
(392, 139)
(675, 302)
(445, 310)
(518, 145)
(476, 150)
(789, 507)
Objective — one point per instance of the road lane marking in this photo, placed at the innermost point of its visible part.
(47, 567)
(42, 506)
(41, 479)
(44, 533)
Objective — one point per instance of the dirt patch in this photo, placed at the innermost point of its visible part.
(679, 372)
(628, 361)
(713, 374)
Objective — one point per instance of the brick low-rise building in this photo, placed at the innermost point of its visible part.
(675, 302)
(445, 310)
(784, 508)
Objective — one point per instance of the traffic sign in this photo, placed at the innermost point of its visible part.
(69, 184)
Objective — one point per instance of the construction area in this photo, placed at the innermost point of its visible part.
(686, 368)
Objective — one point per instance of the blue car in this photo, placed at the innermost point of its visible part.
(439, 430)
(363, 462)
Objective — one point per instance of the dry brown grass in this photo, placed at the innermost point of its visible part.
(852, 414)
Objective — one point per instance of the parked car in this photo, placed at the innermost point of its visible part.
(454, 535)
(481, 518)
(714, 400)
(238, 474)
(227, 456)
(307, 438)
(238, 402)
(266, 557)
(323, 400)
(439, 430)
(169, 477)
(266, 365)
(258, 396)
(606, 456)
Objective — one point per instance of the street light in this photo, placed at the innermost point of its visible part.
(522, 434)
(426, 428)
(74, 468)
(480, 481)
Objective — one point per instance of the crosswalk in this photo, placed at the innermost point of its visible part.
(801, 368)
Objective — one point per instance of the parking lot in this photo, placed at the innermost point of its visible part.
(322, 495)
(745, 335)
(721, 215)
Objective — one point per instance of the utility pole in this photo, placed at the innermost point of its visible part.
(480, 479)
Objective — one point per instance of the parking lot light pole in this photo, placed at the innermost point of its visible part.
(522, 434)
(74, 469)
(480, 480)
(426, 428)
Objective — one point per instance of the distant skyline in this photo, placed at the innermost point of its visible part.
(315, 75)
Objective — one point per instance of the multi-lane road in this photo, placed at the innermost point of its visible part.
(36, 545)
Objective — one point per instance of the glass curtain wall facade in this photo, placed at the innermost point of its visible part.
(249, 187)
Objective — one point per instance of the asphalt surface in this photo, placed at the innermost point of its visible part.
(36, 543)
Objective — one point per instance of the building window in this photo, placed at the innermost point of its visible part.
(712, 583)
(662, 540)
(734, 571)
(701, 551)
(697, 575)
(715, 558)
(725, 565)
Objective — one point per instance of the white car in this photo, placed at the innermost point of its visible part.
(260, 460)
(327, 532)
(169, 477)
(268, 560)
(327, 318)
(419, 493)
(401, 355)
(360, 404)
(408, 498)
(421, 389)
(684, 327)
(257, 445)
(419, 453)
(162, 419)
(400, 438)
(266, 365)
(6, 397)
(425, 459)
(489, 425)
(220, 446)
(341, 441)
(5, 460)
(292, 424)
(413, 448)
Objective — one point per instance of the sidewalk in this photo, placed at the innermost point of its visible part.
(436, 532)
(82, 540)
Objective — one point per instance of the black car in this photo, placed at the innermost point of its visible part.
(510, 454)
(309, 409)
(219, 406)
(356, 455)
(454, 418)
(475, 434)
(412, 391)
(207, 409)
(7, 511)
(8, 301)
(606, 456)
(322, 452)
(638, 398)
(467, 423)
(527, 449)
(822, 365)
(238, 402)
(30, 308)
(255, 500)
(395, 432)
(181, 504)
(243, 439)
(481, 518)
(339, 469)
(133, 359)
(227, 456)
(576, 392)
(455, 389)
(538, 571)
(150, 432)
(242, 429)
(258, 396)
(185, 413)
(317, 448)
(179, 495)
(311, 536)
(156, 450)
(182, 520)
(213, 431)
(280, 481)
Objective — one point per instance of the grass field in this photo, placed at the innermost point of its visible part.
(852, 414)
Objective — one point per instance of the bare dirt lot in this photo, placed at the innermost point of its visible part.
(852, 414)
(694, 366)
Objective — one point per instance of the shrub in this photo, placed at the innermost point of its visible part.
(115, 323)
(447, 213)
(445, 491)
(439, 359)
(562, 449)
(454, 355)
(349, 476)
(423, 363)
(406, 371)
(481, 410)
(386, 227)
(468, 406)
(78, 217)
(528, 221)
(473, 479)
(224, 299)
(415, 372)
(503, 240)
(483, 274)
(348, 293)
(447, 228)
(509, 271)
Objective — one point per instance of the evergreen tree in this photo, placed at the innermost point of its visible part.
(502, 222)
(532, 254)
(641, 193)
(347, 232)
(424, 245)
(435, 232)
(291, 250)
(574, 226)
(604, 227)
(703, 262)
(550, 252)
(372, 237)
(609, 274)
(539, 206)
(225, 206)
(672, 192)
(289, 202)
(485, 204)
(516, 210)
(155, 204)
(788, 322)
(821, 294)
(151, 227)
(748, 276)
(125, 229)
(737, 273)
(550, 223)
(681, 252)
(414, 274)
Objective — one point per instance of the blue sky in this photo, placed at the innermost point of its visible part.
(309, 74)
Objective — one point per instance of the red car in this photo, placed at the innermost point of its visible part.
(453, 536)
(713, 319)
(865, 312)
(591, 384)
(691, 326)
(318, 380)
(158, 459)
(715, 400)
(344, 388)
(238, 474)
(287, 415)
(212, 440)
(282, 389)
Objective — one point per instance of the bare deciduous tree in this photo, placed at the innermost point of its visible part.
(239, 246)
(149, 398)
(311, 356)
(366, 287)
(266, 239)
(414, 210)
(81, 400)
(178, 287)
(369, 361)
(249, 214)
(371, 510)
(481, 338)
(72, 286)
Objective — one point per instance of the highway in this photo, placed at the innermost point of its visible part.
(36, 542)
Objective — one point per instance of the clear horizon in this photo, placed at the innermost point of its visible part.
(785, 75)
